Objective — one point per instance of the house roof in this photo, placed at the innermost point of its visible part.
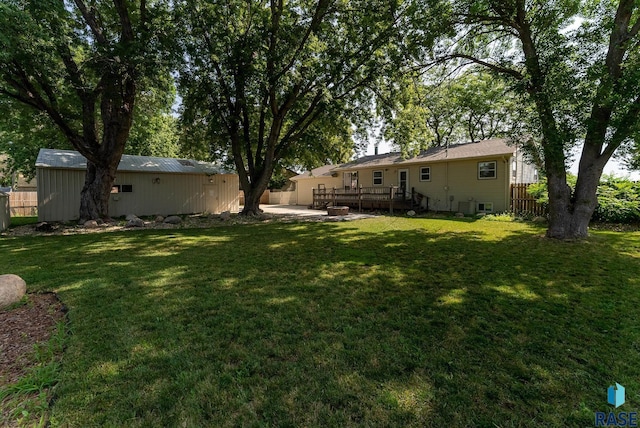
(322, 171)
(69, 159)
(480, 149)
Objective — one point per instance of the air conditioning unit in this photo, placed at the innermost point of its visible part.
(465, 207)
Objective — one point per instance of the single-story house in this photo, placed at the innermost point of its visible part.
(469, 178)
(319, 178)
(143, 186)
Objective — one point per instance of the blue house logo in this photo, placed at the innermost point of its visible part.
(615, 395)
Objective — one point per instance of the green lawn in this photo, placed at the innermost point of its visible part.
(381, 322)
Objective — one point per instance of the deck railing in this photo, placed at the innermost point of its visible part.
(367, 197)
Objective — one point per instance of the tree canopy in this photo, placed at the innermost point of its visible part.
(81, 64)
(422, 110)
(577, 64)
(274, 81)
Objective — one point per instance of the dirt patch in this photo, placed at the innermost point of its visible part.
(188, 222)
(24, 327)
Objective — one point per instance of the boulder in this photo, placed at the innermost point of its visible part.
(91, 224)
(411, 213)
(459, 215)
(44, 227)
(173, 219)
(539, 219)
(12, 289)
(136, 222)
(226, 215)
(159, 219)
(130, 217)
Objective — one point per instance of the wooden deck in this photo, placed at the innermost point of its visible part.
(371, 198)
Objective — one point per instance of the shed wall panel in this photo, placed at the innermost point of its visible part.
(59, 194)
(158, 194)
(152, 194)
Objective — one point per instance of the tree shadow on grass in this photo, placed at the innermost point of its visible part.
(325, 324)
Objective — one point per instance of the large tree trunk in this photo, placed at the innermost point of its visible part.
(570, 214)
(559, 205)
(252, 202)
(116, 112)
(94, 197)
(253, 190)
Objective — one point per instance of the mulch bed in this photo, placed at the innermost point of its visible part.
(23, 327)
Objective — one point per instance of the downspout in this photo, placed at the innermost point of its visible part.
(507, 187)
(446, 186)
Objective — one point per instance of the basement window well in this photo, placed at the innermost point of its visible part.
(485, 207)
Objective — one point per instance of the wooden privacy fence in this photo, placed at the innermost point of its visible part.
(523, 203)
(23, 203)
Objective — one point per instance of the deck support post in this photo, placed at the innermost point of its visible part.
(391, 196)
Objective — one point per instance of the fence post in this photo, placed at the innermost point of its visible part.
(360, 198)
(334, 196)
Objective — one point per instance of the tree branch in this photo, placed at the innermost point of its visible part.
(494, 67)
(91, 20)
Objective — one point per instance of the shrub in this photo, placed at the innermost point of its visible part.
(618, 201)
(618, 198)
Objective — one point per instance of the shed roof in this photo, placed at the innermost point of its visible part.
(480, 149)
(69, 159)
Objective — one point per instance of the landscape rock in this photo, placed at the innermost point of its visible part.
(173, 219)
(12, 289)
(159, 219)
(411, 213)
(44, 227)
(459, 215)
(136, 222)
(539, 219)
(91, 224)
(226, 215)
(130, 217)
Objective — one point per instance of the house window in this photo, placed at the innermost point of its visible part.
(377, 178)
(485, 207)
(487, 170)
(425, 173)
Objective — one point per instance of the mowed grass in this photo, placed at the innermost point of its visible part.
(381, 322)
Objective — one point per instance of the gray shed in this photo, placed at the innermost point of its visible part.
(144, 186)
